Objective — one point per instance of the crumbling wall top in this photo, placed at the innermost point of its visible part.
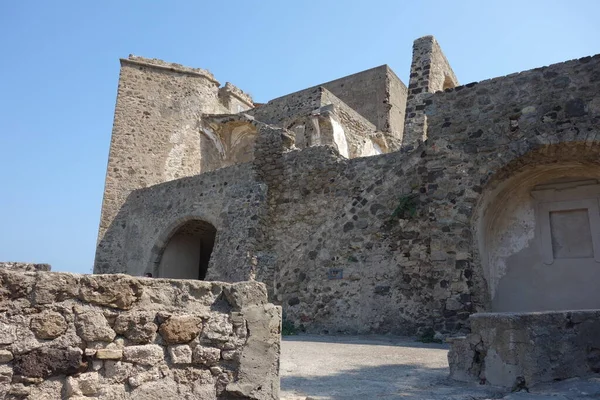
(160, 64)
(237, 92)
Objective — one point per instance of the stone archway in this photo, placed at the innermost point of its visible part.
(538, 227)
(187, 251)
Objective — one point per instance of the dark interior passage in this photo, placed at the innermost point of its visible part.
(187, 253)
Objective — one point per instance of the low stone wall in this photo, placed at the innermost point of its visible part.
(521, 349)
(119, 337)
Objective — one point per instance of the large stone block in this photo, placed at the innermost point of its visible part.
(180, 329)
(117, 291)
(48, 325)
(139, 327)
(508, 349)
(46, 362)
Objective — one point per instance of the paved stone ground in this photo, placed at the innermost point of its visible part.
(390, 368)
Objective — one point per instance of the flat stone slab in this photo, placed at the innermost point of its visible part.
(389, 367)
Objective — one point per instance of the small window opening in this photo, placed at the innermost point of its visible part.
(448, 83)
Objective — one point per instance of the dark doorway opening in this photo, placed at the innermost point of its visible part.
(187, 253)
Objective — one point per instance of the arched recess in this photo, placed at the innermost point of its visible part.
(185, 253)
(538, 229)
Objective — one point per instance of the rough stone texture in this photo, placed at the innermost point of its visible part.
(48, 325)
(69, 349)
(525, 349)
(429, 72)
(407, 242)
(138, 327)
(21, 266)
(180, 329)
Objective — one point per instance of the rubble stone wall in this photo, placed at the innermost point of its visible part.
(66, 336)
(521, 349)
(230, 199)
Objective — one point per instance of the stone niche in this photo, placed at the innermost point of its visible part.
(539, 240)
(225, 140)
(67, 336)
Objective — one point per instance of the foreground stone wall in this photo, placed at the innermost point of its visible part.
(117, 337)
(520, 350)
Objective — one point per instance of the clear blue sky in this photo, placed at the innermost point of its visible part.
(60, 65)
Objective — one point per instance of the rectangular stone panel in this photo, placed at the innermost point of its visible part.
(571, 234)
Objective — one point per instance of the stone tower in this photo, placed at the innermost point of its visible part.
(156, 132)
(430, 72)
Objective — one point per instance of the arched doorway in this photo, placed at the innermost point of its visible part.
(187, 252)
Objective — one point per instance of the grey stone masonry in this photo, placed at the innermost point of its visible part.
(519, 350)
(67, 336)
(430, 72)
(407, 242)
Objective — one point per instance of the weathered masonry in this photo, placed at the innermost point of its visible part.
(364, 205)
(68, 336)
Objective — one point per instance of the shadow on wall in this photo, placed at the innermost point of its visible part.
(536, 228)
(187, 252)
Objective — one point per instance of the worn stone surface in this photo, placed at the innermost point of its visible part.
(525, 349)
(407, 242)
(46, 362)
(91, 341)
(138, 327)
(48, 325)
(180, 354)
(180, 329)
(92, 326)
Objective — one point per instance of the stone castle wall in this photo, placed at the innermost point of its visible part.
(66, 336)
(230, 199)
(389, 243)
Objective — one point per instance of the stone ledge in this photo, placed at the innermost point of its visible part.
(508, 349)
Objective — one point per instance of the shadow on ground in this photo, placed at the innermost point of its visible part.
(344, 368)
(408, 382)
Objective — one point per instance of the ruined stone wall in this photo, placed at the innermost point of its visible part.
(234, 99)
(369, 93)
(377, 95)
(282, 111)
(66, 336)
(519, 350)
(156, 128)
(430, 72)
(398, 94)
(230, 199)
(388, 243)
(360, 135)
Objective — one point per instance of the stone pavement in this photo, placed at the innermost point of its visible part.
(390, 368)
